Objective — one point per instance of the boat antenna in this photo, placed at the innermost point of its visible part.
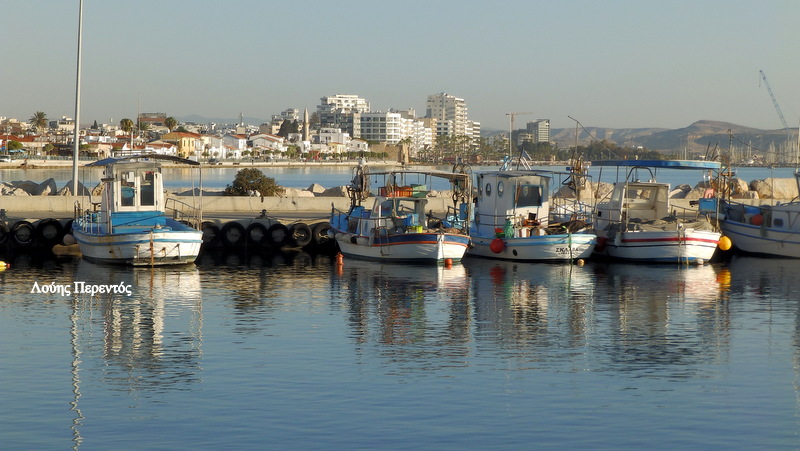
(590, 136)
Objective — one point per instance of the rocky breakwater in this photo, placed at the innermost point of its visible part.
(39, 199)
(774, 189)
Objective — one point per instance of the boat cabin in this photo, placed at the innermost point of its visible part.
(644, 201)
(521, 197)
(133, 187)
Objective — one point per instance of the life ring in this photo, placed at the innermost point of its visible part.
(22, 233)
(278, 234)
(233, 235)
(301, 234)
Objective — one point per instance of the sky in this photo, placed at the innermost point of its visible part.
(614, 63)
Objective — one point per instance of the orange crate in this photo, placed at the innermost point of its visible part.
(399, 191)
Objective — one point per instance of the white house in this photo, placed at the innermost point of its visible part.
(268, 142)
(237, 142)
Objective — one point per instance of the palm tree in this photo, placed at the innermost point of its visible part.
(170, 123)
(143, 127)
(126, 125)
(39, 120)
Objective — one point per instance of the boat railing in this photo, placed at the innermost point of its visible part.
(182, 211)
(571, 209)
(90, 221)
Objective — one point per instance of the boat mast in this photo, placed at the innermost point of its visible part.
(76, 137)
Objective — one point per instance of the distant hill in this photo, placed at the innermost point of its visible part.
(695, 138)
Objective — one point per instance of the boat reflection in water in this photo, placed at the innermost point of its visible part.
(600, 316)
(151, 337)
(399, 304)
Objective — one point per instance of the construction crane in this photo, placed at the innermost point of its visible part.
(775, 102)
(511, 117)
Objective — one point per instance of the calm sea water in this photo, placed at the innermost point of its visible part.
(291, 351)
(329, 176)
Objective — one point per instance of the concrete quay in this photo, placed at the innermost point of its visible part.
(222, 207)
(64, 206)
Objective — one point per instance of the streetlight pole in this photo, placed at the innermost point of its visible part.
(77, 142)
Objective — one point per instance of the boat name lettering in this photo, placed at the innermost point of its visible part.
(80, 288)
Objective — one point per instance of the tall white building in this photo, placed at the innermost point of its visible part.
(383, 127)
(342, 111)
(539, 130)
(446, 107)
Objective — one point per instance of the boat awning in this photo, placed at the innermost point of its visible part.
(666, 164)
(109, 161)
(430, 173)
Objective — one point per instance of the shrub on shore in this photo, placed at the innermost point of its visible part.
(252, 181)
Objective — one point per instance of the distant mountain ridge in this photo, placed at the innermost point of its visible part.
(695, 138)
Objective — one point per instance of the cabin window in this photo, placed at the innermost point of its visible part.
(488, 189)
(500, 188)
(128, 191)
(529, 196)
(777, 222)
(147, 190)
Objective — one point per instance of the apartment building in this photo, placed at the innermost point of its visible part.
(342, 111)
(539, 130)
(445, 107)
(382, 127)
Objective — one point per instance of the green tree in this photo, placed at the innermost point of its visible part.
(39, 120)
(288, 127)
(170, 123)
(143, 128)
(251, 180)
(126, 125)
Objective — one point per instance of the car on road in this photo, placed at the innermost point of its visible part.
(5, 159)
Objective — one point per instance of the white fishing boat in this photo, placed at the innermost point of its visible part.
(766, 229)
(400, 224)
(512, 220)
(129, 225)
(637, 222)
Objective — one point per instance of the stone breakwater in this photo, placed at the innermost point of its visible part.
(20, 197)
(769, 188)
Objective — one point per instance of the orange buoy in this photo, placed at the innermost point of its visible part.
(757, 220)
(448, 262)
(339, 259)
(497, 245)
(724, 243)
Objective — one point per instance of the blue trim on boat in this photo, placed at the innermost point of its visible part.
(146, 241)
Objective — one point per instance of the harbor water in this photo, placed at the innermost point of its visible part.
(292, 351)
(302, 176)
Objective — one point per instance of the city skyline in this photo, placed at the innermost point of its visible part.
(618, 64)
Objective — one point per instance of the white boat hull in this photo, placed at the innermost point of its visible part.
(409, 247)
(141, 248)
(762, 240)
(535, 248)
(671, 246)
